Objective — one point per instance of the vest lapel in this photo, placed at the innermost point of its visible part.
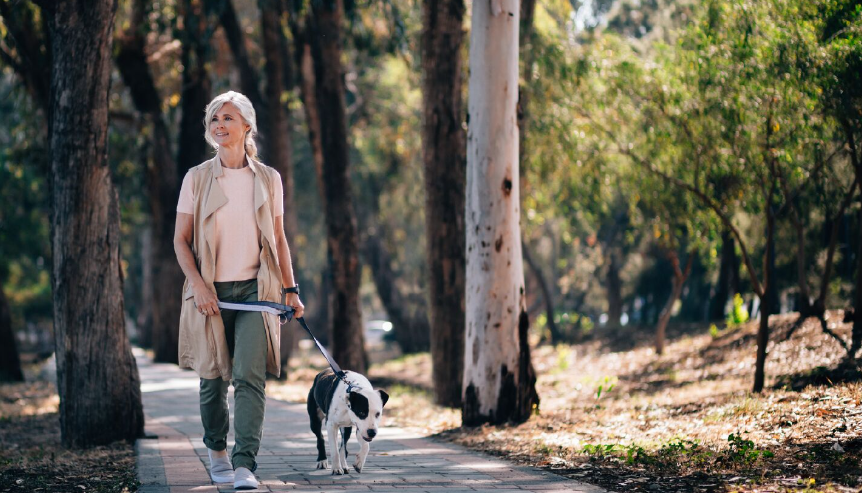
(262, 206)
(214, 200)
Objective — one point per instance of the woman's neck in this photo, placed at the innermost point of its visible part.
(232, 157)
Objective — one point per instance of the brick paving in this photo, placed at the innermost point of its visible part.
(173, 458)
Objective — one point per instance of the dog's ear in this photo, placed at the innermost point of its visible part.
(358, 404)
(383, 396)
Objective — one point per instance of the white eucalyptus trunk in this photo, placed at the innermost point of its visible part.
(498, 378)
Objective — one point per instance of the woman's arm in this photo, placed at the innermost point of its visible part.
(287, 280)
(205, 299)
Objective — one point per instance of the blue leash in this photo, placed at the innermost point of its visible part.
(285, 313)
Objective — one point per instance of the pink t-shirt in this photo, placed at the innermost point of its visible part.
(237, 237)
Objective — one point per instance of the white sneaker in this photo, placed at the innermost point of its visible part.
(244, 479)
(221, 470)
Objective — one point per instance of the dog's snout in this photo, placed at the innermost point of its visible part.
(372, 433)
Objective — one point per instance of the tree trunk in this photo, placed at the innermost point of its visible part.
(347, 338)
(678, 281)
(148, 292)
(803, 301)
(305, 77)
(248, 79)
(726, 274)
(857, 312)
(614, 289)
(499, 380)
(277, 145)
(10, 363)
(547, 294)
(445, 172)
(162, 187)
(196, 89)
(766, 301)
(97, 377)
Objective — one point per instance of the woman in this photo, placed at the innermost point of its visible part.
(230, 244)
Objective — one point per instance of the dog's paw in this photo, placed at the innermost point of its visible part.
(357, 466)
(338, 471)
(323, 464)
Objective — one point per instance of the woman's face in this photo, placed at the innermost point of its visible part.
(227, 126)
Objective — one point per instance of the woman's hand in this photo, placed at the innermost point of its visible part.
(292, 299)
(206, 301)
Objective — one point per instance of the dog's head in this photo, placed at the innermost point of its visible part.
(366, 409)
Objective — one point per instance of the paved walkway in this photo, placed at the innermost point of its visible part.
(176, 460)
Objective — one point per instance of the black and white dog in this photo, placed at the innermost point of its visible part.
(344, 404)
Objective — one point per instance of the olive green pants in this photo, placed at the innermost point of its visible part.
(246, 338)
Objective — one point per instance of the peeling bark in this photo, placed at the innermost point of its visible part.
(498, 386)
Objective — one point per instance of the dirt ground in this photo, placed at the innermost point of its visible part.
(613, 413)
(32, 458)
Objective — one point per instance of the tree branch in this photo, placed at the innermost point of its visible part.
(705, 199)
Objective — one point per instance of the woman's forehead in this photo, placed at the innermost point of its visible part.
(227, 109)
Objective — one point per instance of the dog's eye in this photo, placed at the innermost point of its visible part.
(377, 415)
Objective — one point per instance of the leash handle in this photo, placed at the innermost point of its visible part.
(337, 369)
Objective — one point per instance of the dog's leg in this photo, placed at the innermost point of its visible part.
(338, 466)
(315, 417)
(345, 436)
(364, 447)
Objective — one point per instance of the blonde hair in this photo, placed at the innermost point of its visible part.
(246, 111)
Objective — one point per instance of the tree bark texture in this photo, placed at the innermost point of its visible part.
(97, 377)
(277, 146)
(162, 179)
(445, 176)
(347, 338)
(499, 380)
(10, 362)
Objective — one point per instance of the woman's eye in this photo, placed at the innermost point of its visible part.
(228, 118)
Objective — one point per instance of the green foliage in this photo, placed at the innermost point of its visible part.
(738, 314)
(25, 256)
(599, 451)
(607, 384)
(741, 450)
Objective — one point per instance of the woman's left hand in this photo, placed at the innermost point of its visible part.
(292, 299)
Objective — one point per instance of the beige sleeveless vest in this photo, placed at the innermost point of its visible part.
(202, 343)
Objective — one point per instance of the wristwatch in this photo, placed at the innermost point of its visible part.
(284, 291)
